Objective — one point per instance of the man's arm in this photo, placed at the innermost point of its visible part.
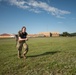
(22, 39)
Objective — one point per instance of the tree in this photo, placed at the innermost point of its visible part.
(65, 34)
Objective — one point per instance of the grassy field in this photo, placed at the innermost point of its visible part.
(46, 56)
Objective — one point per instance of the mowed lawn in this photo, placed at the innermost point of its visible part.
(46, 56)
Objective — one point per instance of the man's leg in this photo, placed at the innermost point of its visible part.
(19, 53)
(20, 45)
(26, 49)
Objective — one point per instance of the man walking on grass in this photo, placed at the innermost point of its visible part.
(22, 38)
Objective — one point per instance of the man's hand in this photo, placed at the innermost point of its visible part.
(20, 39)
(26, 39)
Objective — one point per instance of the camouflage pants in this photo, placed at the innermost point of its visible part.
(21, 45)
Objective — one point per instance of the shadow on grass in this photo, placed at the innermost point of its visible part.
(46, 53)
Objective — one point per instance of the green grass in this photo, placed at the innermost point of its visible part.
(46, 56)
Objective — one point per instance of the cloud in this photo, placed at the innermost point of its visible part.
(19, 3)
(35, 10)
(39, 6)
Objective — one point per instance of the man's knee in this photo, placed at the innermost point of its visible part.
(25, 46)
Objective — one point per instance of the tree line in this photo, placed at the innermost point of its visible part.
(66, 34)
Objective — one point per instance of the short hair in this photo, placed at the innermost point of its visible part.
(23, 27)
